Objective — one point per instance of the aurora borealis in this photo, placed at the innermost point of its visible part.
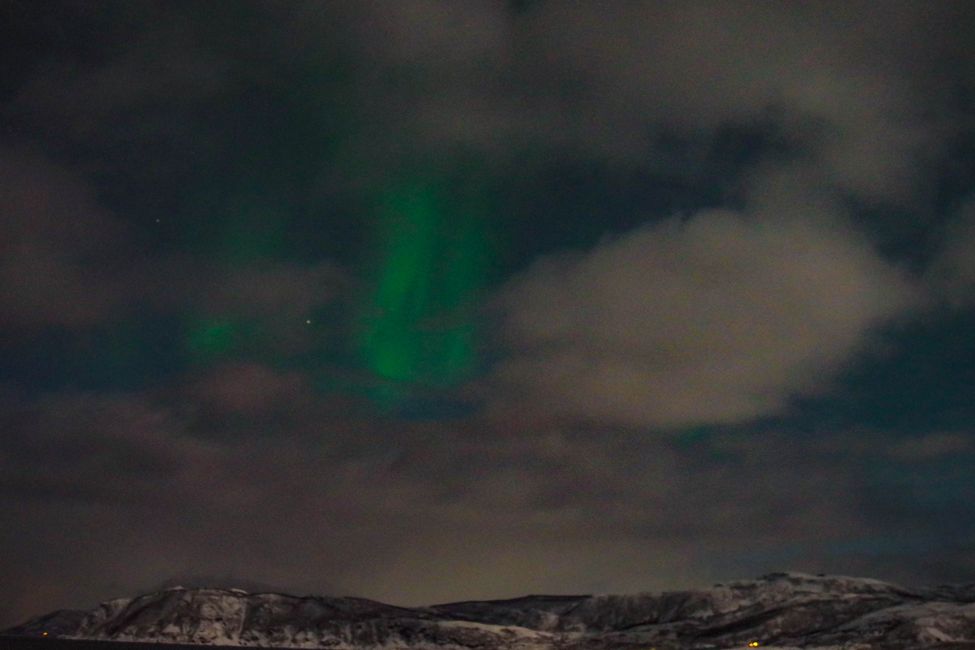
(431, 268)
(437, 300)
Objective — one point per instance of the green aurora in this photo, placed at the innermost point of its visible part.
(430, 266)
(413, 326)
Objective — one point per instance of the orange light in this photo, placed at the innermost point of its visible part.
(43, 633)
(753, 644)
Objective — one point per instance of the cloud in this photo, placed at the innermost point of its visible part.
(95, 448)
(136, 62)
(279, 300)
(952, 271)
(248, 389)
(933, 446)
(61, 253)
(68, 261)
(281, 290)
(107, 495)
(720, 318)
(865, 96)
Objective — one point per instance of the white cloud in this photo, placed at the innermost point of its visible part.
(717, 319)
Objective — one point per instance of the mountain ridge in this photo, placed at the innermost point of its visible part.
(778, 610)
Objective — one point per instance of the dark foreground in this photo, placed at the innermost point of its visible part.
(28, 643)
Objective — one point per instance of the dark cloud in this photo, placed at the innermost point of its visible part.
(952, 273)
(248, 388)
(934, 446)
(273, 308)
(69, 262)
(865, 95)
(106, 494)
(115, 74)
(62, 252)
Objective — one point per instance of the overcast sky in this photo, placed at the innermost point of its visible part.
(433, 300)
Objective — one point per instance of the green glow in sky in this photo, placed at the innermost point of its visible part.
(431, 258)
(210, 338)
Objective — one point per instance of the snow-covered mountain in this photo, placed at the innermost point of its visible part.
(782, 610)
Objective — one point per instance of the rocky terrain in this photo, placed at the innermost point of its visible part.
(783, 610)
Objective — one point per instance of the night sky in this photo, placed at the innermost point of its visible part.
(434, 300)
